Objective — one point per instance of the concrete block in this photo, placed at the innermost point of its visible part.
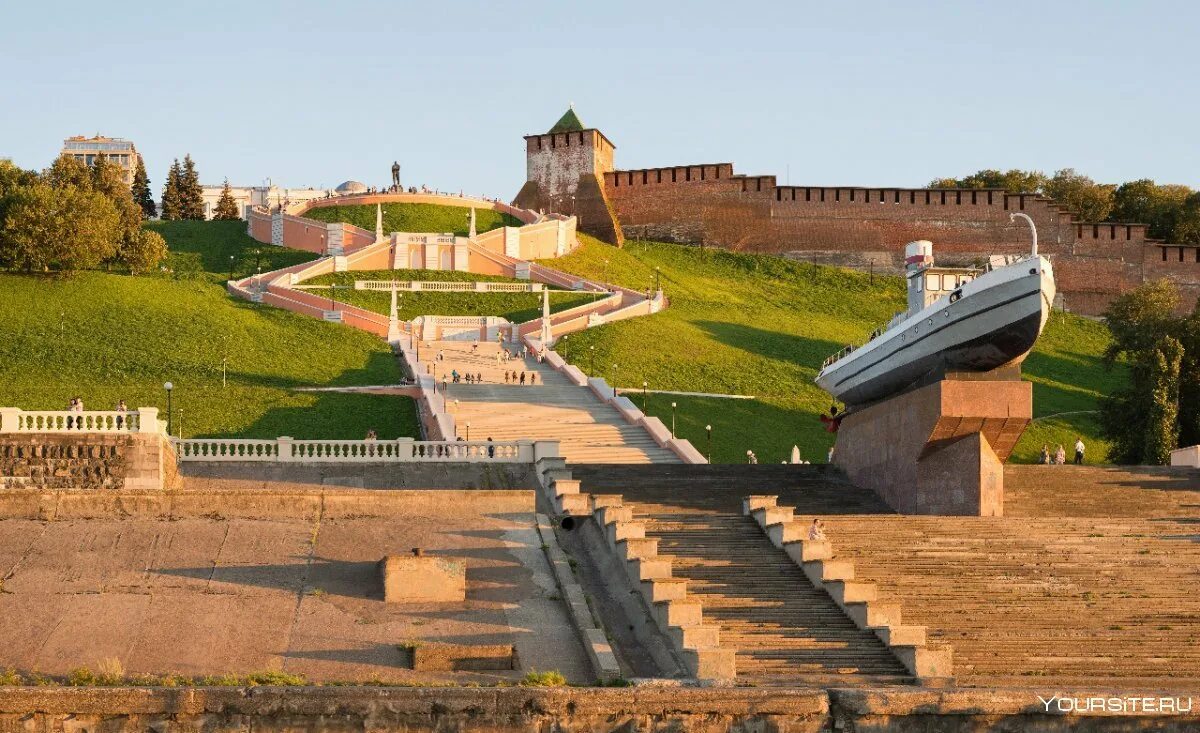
(637, 547)
(872, 614)
(801, 551)
(562, 486)
(784, 532)
(696, 637)
(901, 635)
(757, 501)
(576, 505)
(422, 579)
(924, 662)
(601, 500)
(826, 570)
(648, 568)
(711, 664)
(664, 589)
(848, 591)
(617, 531)
(770, 515)
(677, 613)
(438, 657)
(609, 514)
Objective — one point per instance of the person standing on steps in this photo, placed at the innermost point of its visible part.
(1079, 451)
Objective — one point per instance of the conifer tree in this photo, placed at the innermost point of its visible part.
(191, 193)
(227, 208)
(171, 204)
(141, 191)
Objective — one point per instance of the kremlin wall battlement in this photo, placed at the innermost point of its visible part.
(570, 170)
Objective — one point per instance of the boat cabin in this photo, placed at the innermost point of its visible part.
(927, 283)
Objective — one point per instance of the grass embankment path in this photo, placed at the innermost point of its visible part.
(429, 218)
(516, 307)
(760, 325)
(108, 337)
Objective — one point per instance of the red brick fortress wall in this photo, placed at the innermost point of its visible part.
(867, 227)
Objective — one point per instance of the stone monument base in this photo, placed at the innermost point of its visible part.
(422, 580)
(938, 449)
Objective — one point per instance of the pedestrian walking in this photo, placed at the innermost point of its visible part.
(522, 377)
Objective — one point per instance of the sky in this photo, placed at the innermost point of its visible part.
(312, 93)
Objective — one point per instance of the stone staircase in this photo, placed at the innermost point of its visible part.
(1089, 579)
(782, 628)
(552, 408)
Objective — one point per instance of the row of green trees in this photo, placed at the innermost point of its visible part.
(1171, 211)
(1160, 408)
(183, 196)
(72, 217)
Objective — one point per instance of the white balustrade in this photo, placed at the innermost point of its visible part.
(16, 420)
(442, 286)
(402, 450)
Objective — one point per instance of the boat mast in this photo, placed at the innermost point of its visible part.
(1013, 217)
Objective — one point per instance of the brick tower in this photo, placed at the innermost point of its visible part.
(565, 169)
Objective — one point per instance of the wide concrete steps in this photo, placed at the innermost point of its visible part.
(782, 628)
(588, 431)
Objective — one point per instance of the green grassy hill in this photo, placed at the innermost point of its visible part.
(516, 307)
(109, 337)
(761, 326)
(416, 218)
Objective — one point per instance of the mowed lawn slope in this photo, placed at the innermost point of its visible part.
(761, 326)
(516, 307)
(416, 218)
(109, 337)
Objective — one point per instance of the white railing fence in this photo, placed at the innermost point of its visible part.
(141, 420)
(438, 286)
(401, 450)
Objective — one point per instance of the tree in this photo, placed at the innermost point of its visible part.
(172, 206)
(1186, 227)
(1012, 181)
(67, 228)
(1146, 420)
(227, 208)
(142, 251)
(1092, 201)
(108, 181)
(1145, 201)
(141, 190)
(191, 193)
(67, 171)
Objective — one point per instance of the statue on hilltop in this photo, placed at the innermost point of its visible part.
(396, 175)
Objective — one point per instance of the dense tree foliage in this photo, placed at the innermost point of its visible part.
(1160, 408)
(191, 193)
(72, 217)
(171, 205)
(227, 208)
(1170, 211)
(141, 191)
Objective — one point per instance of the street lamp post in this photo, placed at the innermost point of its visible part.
(657, 282)
(468, 432)
(672, 419)
(224, 363)
(614, 376)
(230, 267)
(169, 387)
(180, 436)
(592, 349)
(645, 393)
(708, 429)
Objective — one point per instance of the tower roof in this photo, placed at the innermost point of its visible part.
(569, 122)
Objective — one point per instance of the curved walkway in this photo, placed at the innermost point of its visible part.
(589, 425)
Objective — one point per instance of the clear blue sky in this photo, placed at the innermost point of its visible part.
(854, 93)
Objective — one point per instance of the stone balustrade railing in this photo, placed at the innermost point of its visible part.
(141, 420)
(401, 450)
(444, 286)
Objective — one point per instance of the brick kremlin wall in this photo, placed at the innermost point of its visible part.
(867, 227)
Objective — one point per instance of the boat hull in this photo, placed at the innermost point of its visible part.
(995, 325)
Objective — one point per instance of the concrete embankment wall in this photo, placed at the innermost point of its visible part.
(519, 710)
